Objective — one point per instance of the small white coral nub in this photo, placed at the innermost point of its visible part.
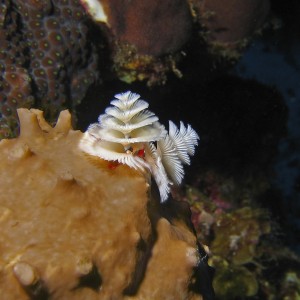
(127, 133)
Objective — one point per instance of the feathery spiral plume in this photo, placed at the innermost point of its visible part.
(130, 134)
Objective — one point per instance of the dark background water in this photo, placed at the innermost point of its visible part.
(247, 115)
(274, 60)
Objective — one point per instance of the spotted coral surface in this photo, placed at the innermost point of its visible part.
(45, 58)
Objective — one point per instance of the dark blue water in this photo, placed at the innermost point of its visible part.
(274, 60)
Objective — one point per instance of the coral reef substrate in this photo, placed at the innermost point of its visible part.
(74, 227)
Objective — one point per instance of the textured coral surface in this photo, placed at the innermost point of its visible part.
(139, 22)
(45, 58)
(73, 227)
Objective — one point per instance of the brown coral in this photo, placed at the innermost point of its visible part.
(229, 25)
(143, 35)
(72, 227)
(152, 27)
(45, 58)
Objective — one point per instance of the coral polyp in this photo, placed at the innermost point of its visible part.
(128, 133)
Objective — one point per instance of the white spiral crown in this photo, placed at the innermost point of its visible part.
(127, 128)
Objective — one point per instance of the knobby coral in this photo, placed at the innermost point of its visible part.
(130, 134)
(45, 57)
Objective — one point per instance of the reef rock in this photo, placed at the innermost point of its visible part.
(73, 227)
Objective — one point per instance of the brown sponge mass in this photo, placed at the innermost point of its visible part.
(76, 227)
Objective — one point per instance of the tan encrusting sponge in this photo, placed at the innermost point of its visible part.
(78, 227)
